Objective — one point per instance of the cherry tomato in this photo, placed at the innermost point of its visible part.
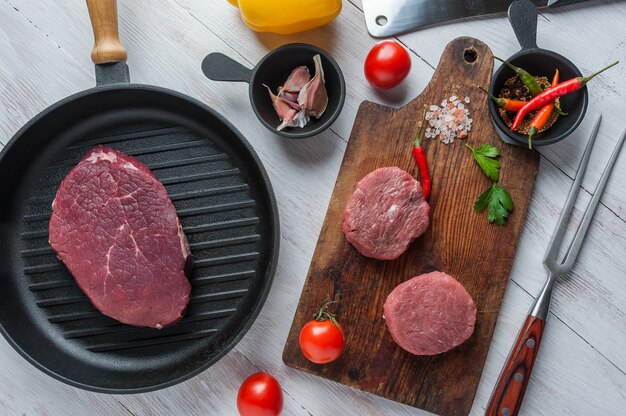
(260, 395)
(387, 64)
(321, 340)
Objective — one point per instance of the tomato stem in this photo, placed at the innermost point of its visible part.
(324, 315)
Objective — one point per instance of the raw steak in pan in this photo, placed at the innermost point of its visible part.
(430, 314)
(386, 212)
(116, 230)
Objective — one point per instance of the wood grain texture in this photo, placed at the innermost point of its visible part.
(509, 392)
(107, 46)
(581, 368)
(576, 32)
(459, 241)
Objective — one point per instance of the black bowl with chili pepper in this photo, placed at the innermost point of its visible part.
(542, 64)
(539, 63)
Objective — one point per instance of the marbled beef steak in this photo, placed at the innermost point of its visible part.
(386, 212)
(430, 314)
(116, 230)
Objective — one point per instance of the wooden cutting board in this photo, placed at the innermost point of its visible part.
(459, 242)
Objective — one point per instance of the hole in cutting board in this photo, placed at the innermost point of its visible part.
(381, 20)
(470, 55)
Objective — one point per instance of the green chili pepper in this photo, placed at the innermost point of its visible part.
(526, 77)
(529, 81)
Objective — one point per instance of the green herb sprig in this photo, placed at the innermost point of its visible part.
(499, 202)
(495, 199)
(486, 157)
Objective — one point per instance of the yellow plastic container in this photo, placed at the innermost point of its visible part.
(286, 16)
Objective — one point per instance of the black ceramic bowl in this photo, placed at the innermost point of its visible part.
(539, 62)
(273, 70)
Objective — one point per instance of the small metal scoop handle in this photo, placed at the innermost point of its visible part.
(506, 399)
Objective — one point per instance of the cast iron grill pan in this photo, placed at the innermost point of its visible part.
(225, 205)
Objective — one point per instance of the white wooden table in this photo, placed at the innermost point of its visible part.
(44, 56)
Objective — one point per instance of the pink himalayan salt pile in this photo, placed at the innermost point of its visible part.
(449, 121)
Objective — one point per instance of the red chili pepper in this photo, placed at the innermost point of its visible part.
(420, 159)
(553, 93)
(542, 116)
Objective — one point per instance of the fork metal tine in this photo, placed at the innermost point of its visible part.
(574, 248)
(550, 259)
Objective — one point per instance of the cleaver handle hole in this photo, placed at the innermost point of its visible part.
(381, 20)
(470, 55)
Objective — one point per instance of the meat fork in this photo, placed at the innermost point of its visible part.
(508, 394)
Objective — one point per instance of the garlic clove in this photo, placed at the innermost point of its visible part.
(287, 120)
(289, 96)
(282, 107)
(298, 119)
(289, 113)
(313, 97)
(296, 80)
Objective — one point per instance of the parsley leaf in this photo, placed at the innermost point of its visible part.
(486, 156)
(498, 201)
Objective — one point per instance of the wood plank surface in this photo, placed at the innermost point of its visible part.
(459, 242)
(581, 367)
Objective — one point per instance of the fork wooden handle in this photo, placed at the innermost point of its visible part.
(507, 397)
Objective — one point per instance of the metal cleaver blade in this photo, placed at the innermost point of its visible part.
(390, 17)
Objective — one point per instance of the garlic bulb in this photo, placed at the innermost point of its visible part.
(301, 96)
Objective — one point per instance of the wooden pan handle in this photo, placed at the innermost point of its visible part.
(507, 397)
(107, 47)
